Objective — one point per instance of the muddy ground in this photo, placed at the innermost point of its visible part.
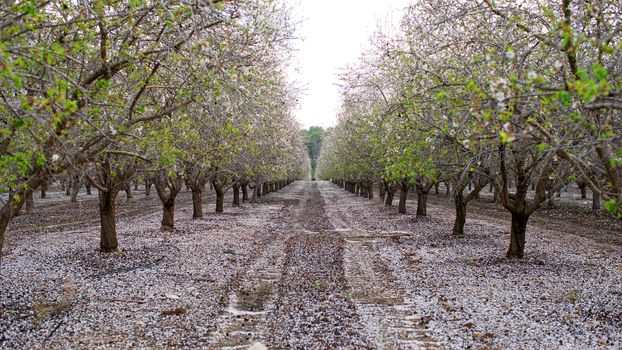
(310, 267)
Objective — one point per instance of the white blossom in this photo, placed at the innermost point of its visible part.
(532, 75)
(55, 157)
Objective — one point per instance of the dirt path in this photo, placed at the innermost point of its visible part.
(295, 295)
(310, 266)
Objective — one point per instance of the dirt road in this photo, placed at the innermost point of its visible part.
(308, 267)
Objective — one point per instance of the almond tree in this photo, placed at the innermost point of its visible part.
(66, 62)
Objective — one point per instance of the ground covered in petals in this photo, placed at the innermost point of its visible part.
(309, 266)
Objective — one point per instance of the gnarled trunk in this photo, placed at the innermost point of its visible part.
(75, 189)
(381, 190)
(220, 198)
(108, 230)
(197, 205)
(460, 215)
(266, 188)
(30, 202)
(595, 200)
(244, 188)
(88, 188)
(168, 188)
(422, 203)
(583, 188)
(44, 188)
(517, 235)
(258, 189)
(236, 195)
(403, 196)
(389, 199)
(168, 214)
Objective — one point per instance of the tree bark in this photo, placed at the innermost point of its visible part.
(30, 202)
(460, 215)
(254, 197)
(266, 188)
(173, 185)
(389, 199)
(220, 199)
(422, 203)
(108, 231)
(595, 200)
(403, 196)
(168, 214)
(12, 206)
(517, 236)
(236, 195)
(44, 188)
(244, 188)
(197, 205)
(75, 188)
(583, 188)
(88, 188)
(381, 190)
(148, 187)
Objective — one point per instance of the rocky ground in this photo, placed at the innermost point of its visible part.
(310, 266)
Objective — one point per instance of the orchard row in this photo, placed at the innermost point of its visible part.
(170, 92)
(513, 94)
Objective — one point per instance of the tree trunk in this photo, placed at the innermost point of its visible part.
(460, 215)
(236, 195)
(44, 188)
(75, 189)
(258, 189)
(30, 202)
(128, 192)
(254, 197)
(595, 201)
(436, 187)
(88, 188)
(403, 197)
(6, 213)
(266, 188)
(108, 231)
(220, 199)
(551, 201)
(422, 203)
(517, 236)
(583, 188)
(147, 188)
(495, 196)
(244, 192)
(197, 205)
(381, 190)
(390, 194)
(168, 215)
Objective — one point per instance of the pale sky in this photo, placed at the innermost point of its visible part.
(333, 34)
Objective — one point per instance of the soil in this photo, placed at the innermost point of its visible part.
(310, 266)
